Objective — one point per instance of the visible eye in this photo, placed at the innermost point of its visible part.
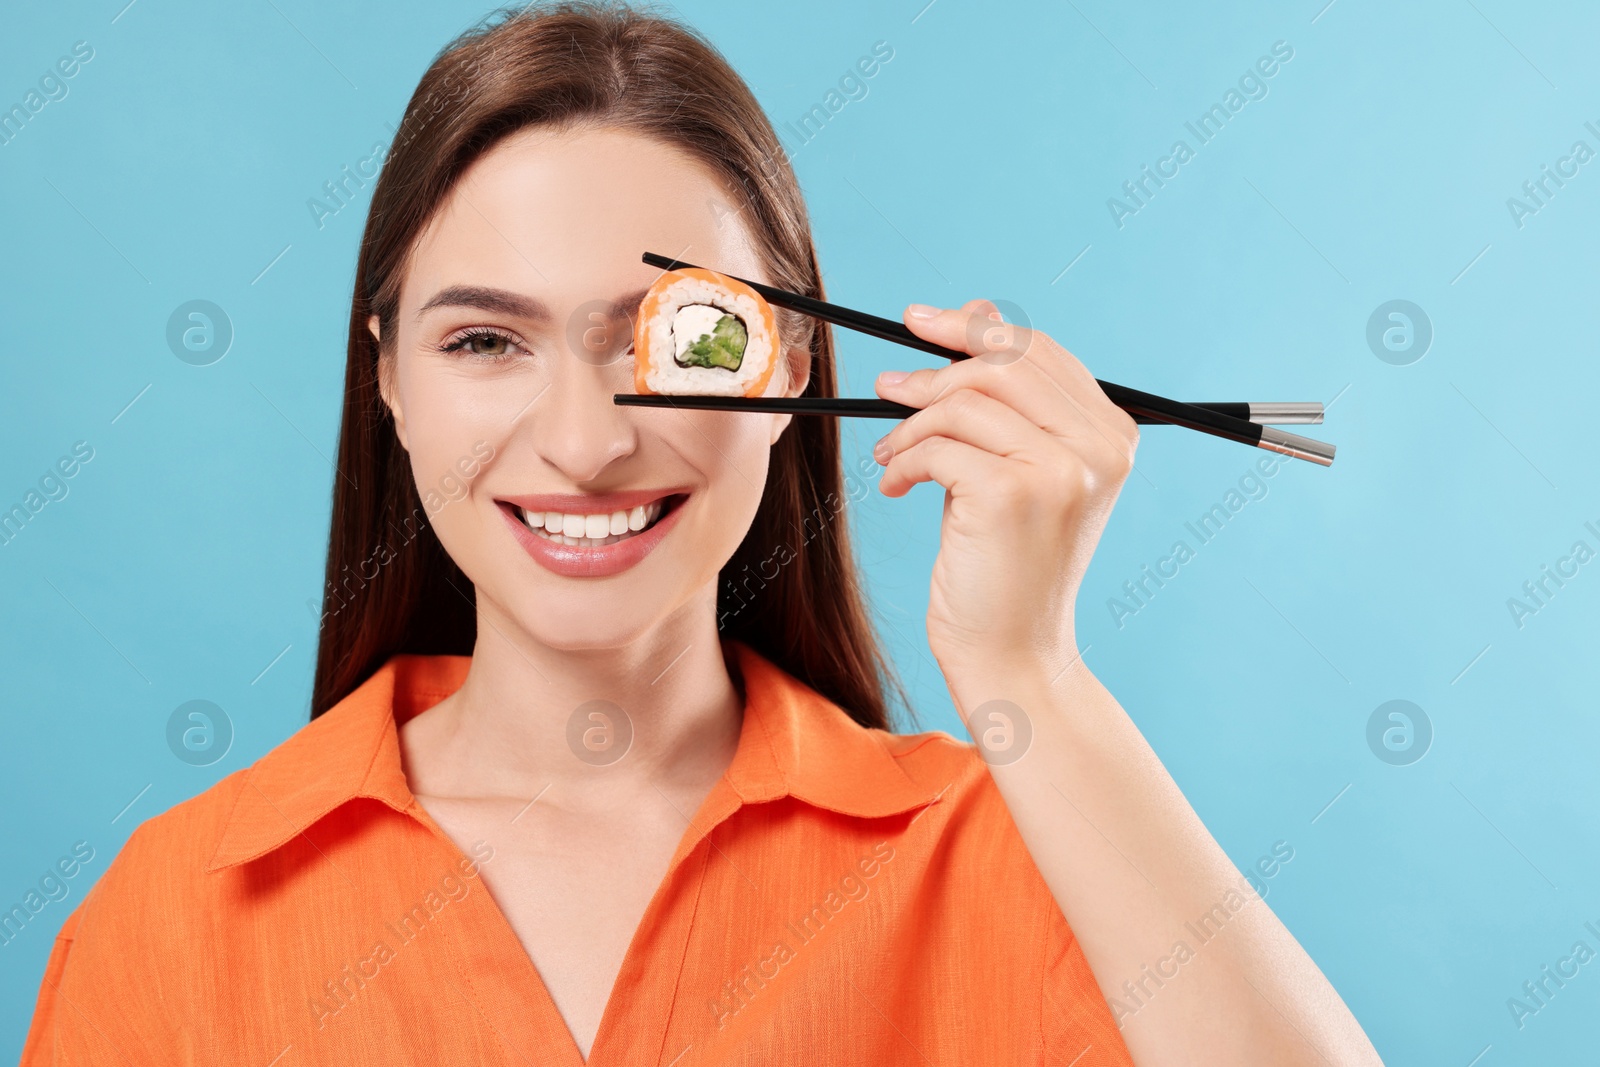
(482, 344)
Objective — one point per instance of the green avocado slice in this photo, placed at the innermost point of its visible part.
(722, 347)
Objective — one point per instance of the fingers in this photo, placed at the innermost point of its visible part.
(970, 442)
(973, 418)
(988, 337)
(975, 329)
(1030, 495)
(1024, 387)
(961, 468)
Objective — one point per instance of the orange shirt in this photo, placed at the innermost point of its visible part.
(843, 895)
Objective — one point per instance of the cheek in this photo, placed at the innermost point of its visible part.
(731, 450)
(451, 425)
(450, 421)
(731, 454)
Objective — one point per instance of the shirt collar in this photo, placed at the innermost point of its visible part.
(793, 742)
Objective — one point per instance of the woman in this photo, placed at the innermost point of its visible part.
(599, 767)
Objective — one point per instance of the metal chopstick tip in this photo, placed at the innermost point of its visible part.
(1290, 444)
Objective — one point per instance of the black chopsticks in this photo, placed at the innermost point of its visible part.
(1269, 414)
(1144, 407)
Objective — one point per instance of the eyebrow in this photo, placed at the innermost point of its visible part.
(485, 298)
(506, 302)
(627, 304)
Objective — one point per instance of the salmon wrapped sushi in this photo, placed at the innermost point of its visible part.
(703, 333)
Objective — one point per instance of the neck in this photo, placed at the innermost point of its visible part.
(530, 716)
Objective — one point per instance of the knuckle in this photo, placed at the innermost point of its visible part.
(946, 381)
(1129, 446)
(1013, 487)
(917, 422)
(963, 402)
(1070, 478)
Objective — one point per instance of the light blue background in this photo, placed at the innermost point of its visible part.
(979, 164)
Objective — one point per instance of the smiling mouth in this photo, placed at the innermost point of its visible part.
(595, 529)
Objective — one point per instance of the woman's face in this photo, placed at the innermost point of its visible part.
(514, 330)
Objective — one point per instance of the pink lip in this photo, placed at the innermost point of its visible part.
(570, 561)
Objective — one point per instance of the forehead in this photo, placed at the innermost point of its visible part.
(565, 215)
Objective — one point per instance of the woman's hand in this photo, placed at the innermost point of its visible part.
(1032, 456)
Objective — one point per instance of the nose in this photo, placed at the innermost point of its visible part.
(574, 426)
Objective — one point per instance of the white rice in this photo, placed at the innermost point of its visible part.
(666, 375)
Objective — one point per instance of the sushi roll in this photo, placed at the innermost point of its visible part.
(702, 333)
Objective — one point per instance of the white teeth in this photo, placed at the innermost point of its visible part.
(591, 529)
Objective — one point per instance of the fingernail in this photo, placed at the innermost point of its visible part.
(893, 377)
(921, 311)
(881, 451)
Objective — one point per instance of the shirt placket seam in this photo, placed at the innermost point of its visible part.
(470, 989)
(670, 1015)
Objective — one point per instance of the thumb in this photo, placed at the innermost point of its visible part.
(976, 328)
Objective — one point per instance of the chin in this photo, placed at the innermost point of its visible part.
(588, 635)
(578, 616)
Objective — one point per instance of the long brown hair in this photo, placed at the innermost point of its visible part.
(790, 590)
